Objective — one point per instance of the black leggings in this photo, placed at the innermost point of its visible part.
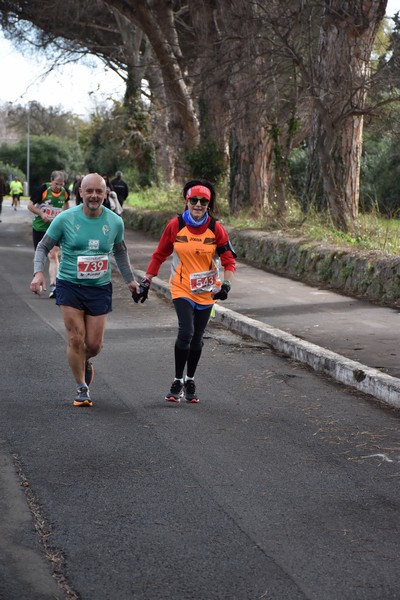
(189, 343)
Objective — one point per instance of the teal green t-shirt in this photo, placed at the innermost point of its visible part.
(86, 244)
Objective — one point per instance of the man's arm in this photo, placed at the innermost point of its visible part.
(43, 248)
(124, 266)
(35, 202)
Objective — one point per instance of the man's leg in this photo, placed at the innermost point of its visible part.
(74, 321)
(94, 337)
(84, 339)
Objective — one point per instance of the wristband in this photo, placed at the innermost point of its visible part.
(227, 284)
(146, 282)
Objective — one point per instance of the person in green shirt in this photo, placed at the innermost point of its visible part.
(88, 234)
(47, 202)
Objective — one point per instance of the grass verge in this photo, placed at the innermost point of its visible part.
(372, 232)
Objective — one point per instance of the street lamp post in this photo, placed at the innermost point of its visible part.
(28, 150)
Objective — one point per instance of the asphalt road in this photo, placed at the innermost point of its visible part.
(280, 485)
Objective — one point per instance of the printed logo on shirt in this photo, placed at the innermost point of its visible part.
(94, 244)
(105, 229)
(209, 241)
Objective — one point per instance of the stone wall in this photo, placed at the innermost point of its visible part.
(371, 275)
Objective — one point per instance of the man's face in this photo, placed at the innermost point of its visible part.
(93, 192)
(57, 184)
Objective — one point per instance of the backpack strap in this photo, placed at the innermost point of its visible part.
(181, 222)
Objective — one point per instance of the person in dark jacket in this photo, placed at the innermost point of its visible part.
(120, 187)
(2, 192)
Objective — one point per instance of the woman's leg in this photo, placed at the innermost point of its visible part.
(189, 343)
(201, 318)
(185, 313)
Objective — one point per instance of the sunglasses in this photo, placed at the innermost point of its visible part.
(194, 201)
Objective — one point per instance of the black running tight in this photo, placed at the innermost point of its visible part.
(189, 343)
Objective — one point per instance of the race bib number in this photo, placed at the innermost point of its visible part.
(92, 267)
(51, 212)
(202, 282)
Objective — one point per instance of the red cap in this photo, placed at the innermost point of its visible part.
(198, 190)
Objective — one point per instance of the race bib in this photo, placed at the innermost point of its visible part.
(51, 212)
(92, 267)
(202, 282)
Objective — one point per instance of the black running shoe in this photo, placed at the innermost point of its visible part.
(190, 392)
(176, 392)
(82, 397)
(89, 372)
(52, 291)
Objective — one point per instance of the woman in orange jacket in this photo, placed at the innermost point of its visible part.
(198, 244)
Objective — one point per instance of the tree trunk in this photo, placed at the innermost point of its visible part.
(250, 160)
(210, 86)
(340, 86)
(157, 22)
(250, 147)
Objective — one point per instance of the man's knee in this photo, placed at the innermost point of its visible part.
(76, 340)
(94, 347)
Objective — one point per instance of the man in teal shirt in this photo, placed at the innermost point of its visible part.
(87, 234)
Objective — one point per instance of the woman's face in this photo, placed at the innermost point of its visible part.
(197, 207)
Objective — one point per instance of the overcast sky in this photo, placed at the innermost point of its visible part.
(76, 88)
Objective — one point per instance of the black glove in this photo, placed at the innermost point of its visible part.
(144, 287)
(224, 291)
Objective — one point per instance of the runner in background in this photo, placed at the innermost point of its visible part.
(46, 203)
(16, 191)
(120, 187)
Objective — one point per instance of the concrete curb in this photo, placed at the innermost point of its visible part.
(349, 372)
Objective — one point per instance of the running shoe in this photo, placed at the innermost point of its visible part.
(176, 392)
(190, 392)
(82, 397)
(89, 372)
(52, 291)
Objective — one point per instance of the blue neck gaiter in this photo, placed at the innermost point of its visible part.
(187, 217)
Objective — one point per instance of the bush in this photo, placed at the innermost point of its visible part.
(10, 171)
(206, 162)
(380, 174)
(47, 153)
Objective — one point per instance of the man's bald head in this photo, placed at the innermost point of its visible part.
(93, 192)
(93, 180)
